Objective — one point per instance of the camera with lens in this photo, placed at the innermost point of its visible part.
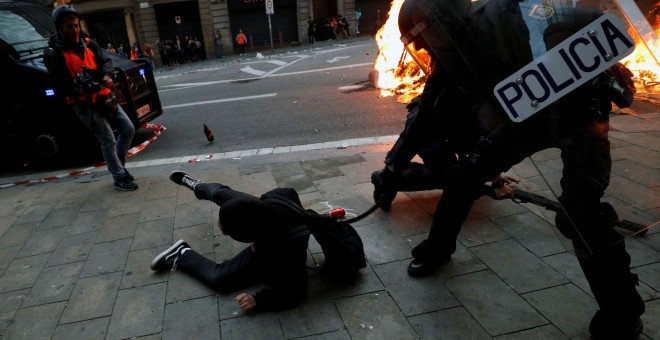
(85, 81)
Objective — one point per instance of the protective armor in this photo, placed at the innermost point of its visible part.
(474, 48)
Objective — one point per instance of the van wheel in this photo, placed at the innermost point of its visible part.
(48, 146)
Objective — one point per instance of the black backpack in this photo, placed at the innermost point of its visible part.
(341, 244)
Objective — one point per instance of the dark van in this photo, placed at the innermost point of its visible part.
(35, 121)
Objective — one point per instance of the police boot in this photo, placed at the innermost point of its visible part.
(416, 177)
(427, 257)
(613, 286)
(452, 210)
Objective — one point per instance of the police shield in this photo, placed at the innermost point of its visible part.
(551, 70)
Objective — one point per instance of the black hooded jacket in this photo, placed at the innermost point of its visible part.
(282, 264)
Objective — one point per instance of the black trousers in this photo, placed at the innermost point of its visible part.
(277, 263)
(240, 271)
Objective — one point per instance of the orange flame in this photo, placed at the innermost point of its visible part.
(399, 75)
(644, 66)
(397, 72)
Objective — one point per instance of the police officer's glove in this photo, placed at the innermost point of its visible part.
(386, 183)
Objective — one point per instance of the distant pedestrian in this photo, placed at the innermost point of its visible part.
(135, 51)
(121, 51)
(241, 40)
(218, 44)
(378, 20)
(343, 28)
(311, 30)
(149, 54)
(358, 15)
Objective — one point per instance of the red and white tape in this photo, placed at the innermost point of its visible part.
(157, 131)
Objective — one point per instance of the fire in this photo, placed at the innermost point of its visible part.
(397, 72)
(642, 63)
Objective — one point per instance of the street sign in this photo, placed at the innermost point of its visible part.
(270, 8)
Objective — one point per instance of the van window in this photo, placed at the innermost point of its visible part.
(26, 27)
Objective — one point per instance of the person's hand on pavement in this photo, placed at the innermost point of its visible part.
(246, 301)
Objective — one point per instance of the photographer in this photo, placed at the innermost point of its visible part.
(82, 70)
(270, 257)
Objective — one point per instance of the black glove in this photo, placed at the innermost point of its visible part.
(386, 183)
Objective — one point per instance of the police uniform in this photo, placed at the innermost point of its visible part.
(577, 124)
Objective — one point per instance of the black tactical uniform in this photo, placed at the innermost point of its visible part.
(577, 124)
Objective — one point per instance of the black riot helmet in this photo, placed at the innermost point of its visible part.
(62, 11)
(477, 42)
(416, 18)
(442, 29)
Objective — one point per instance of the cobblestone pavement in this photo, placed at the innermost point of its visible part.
(75, 253)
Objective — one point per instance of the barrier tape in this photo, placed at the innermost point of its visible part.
(86, 171)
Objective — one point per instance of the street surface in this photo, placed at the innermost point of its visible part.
(292, 97)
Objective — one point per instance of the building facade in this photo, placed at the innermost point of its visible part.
(130, 22)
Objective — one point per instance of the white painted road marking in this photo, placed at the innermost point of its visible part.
(277, 62)
(250, 70)
(221, 100)
(350, 87)
(336, 59)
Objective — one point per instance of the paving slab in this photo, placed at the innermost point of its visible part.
(495, 305)
(363, 322)
(453, 323)
(93, 297)
(137, 312)
(517, 266)
(192, 319)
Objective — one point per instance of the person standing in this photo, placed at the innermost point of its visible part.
(149, 54)
(358, 15)
(378, 21)
(135, 51)
(335, 26)
(241, 40)
(73, 54)
(178, 50)
(311, 30)
(343, 28)
(218, 44)
(272, 256)
(121, 51)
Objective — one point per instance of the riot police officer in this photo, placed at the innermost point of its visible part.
(577, 124)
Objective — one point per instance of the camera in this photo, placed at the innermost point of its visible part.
(85, 81)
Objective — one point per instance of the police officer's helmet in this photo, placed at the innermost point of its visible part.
(409, 15)
(60, 12)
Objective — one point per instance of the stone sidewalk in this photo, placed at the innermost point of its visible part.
(75, 253)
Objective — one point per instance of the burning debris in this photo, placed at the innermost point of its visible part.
(396, 73)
